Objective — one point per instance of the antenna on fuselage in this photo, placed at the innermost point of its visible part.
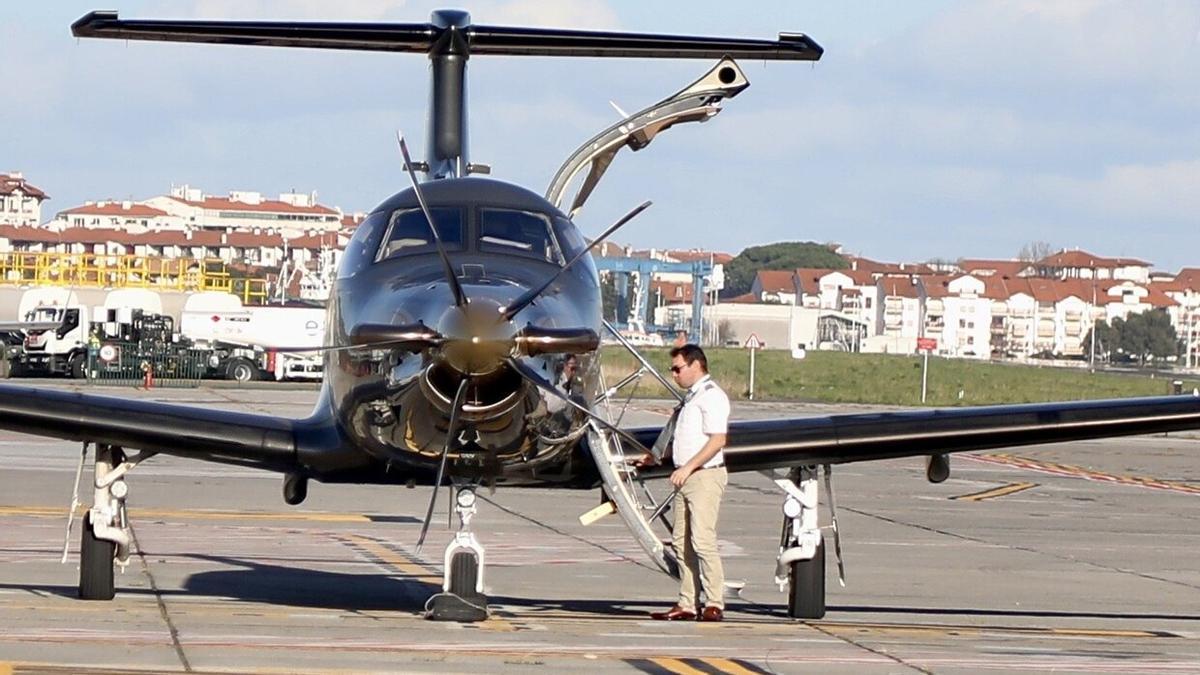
(460, 297)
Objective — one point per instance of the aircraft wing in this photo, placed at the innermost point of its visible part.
(838, 439)
(259, 441)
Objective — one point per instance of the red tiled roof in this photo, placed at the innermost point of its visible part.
(1083, 259)
(10, 184)
(1007, 268)
(1189, 277)
(353, 220)
(774, 281)
(265, 206)
(904, 287)
(744, 299)
(673, 290)
(117, 209)
(881, 268)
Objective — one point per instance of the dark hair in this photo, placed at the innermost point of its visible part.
(691, 353)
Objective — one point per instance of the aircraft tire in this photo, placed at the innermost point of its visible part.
(95, 565)
(806, 586)
(464, 570)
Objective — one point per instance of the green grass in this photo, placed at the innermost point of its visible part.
(838, 377)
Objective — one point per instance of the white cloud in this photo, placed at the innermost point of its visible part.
(1084, 41)
(1138, 192)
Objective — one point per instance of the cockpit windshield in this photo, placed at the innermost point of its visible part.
(409, 232)
(518, 232)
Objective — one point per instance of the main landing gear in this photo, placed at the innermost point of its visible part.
(106, 538)
(800, 568)
(462, 597)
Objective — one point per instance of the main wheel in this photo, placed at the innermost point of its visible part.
(806, 586)
(95, 565)
(464, 573)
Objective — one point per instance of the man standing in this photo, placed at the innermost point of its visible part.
(699, 479)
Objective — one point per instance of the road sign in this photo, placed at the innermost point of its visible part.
(926, 344)
(753, 342)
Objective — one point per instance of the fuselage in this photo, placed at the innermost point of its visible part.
(393, 405)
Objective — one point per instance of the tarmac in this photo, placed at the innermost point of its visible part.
(1074, 558)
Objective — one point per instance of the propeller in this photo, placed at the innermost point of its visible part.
(460, 297)
(459, 399)
(532, 294)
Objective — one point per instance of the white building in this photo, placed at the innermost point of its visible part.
(958, 314)
(20, 202)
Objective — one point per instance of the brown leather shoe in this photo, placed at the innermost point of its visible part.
(676, 613)
(712, 614)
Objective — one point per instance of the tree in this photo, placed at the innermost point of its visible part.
(1107, 340)
(1034, 252)
(740, 272)
(1145, 336)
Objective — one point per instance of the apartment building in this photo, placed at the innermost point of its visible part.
(20, 202)
(189, 208)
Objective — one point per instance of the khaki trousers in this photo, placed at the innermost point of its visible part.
(696, 507)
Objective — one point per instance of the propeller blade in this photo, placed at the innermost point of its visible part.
(459, 398)
(460, 297)
(536, 378)
(535, 340)
(415, 337)
(532, 294)
(410, 337)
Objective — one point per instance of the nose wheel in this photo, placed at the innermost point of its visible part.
(462, 597)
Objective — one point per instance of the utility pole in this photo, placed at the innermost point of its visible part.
(1191, 318)
(1092, 316)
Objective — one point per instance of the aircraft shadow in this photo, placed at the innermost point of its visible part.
(279, 585)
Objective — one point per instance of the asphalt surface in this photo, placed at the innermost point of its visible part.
(1073, 558)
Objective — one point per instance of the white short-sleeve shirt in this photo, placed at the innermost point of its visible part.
(705, 413)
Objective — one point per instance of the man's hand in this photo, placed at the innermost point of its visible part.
(646, 459)
(679, 476)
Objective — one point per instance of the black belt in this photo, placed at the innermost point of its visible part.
(714, 466)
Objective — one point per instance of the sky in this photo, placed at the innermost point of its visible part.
(930, 129)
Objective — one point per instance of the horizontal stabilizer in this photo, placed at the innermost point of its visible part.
(427, 37)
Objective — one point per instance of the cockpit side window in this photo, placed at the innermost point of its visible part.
(360, 252)
(409, 233)
(569, 237)
(524, 233)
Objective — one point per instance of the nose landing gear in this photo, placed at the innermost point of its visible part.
(462, 597)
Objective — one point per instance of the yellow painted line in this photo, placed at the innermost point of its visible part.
(1004, 490)
(199, 514)
(731, 667)
(400, 563)
(1081, 472)
(677, 666)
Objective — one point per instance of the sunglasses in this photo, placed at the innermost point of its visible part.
(676, 369)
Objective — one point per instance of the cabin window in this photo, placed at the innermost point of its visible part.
(409, 233)
(523, 233)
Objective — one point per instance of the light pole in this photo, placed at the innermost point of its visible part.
(1092, 318)
(1191, 318)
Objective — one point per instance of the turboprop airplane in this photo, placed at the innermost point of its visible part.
(457, 303)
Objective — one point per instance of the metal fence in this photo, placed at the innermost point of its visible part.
(131, 364)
